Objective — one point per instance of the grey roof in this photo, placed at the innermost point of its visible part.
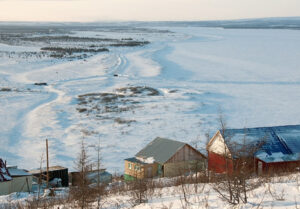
(281, 143)
(14, 172)
(51, 168)
(160, 149)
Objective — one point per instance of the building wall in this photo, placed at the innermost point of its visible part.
(5, 187)
(180, 168)
(18, 184)
(218, 163)
(186, 153)
(277, 167)
(218, 145)
(142, 172)
(185, 160)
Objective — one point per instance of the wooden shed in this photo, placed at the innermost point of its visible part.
(271, 149)
(165, 158)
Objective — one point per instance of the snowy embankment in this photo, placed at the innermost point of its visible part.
(252, 75)
(276, 192)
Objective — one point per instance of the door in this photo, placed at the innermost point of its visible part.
(149, 172)
(259, 168)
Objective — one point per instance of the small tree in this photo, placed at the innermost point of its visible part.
(82, 192)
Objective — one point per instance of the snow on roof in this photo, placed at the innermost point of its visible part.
(135, 160)
(277, 157)
(4, 173)
(280, 143)
(148, 160)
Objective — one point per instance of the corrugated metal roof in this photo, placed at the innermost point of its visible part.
(160, 149)
(94, 174)
(281, 143)
(14, 172)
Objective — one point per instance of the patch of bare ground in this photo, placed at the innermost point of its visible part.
(139, 90)
(9, 89)
(109, 105)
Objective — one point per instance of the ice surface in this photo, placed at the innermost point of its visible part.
(252, 75)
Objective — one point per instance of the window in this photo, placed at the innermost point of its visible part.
(137, 168)
(129, 166)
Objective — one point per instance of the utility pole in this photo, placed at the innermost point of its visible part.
(98, 173)
(47, 163)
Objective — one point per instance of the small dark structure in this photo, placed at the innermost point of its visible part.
(54, 172)
(277, 149)
(41, 84)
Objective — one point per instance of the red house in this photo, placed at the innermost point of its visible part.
(219, 158)
(271, 149)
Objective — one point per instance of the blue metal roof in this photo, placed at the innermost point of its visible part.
(280, 143)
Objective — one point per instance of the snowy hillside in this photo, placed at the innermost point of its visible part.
(167, 81)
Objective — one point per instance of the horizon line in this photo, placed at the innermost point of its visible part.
(128, 21)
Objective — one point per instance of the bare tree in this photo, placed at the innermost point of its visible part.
(100, 186)
(235, 183)
(40, 179)
(82, 192)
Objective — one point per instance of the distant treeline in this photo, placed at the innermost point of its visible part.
(73, 50)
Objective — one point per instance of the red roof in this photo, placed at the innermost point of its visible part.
(4, 174)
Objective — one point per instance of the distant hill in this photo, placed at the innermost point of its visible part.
(258, 23)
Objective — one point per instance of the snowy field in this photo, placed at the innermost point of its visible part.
(281, 192)
(173, 87)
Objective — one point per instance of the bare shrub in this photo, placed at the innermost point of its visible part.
(235, 183)
(138, 191)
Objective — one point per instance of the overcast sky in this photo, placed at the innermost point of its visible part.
(111, 10)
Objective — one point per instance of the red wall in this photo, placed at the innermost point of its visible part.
(269, 168)
(217, 163)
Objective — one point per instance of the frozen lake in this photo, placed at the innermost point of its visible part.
(174, 87)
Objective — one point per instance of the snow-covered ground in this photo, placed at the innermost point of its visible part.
(252, 75)
(277, 192)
